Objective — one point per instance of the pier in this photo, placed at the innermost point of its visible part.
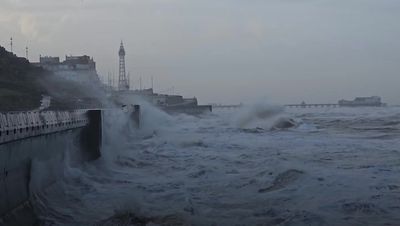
(303, 105)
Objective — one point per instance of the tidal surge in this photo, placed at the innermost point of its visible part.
(260, 165)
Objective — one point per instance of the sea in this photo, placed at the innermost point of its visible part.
(256, 165)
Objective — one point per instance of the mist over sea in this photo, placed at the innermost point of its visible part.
(335, 166)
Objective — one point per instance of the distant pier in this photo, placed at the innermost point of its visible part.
(303, 105)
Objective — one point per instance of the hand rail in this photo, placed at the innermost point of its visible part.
(20, 125)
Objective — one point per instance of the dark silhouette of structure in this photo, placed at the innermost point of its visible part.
(122, 81)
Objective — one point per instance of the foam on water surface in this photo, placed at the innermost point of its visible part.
(210, 170)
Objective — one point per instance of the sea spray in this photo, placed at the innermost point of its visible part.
(155, 123)
(259, 115)
(120, 131)
(152, 119)
(239, 178)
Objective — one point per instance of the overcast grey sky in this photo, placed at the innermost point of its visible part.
(283, 51)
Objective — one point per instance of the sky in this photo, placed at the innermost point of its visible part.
(223, 51)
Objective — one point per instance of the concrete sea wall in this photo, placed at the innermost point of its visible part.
(191, 110)
(32, 150)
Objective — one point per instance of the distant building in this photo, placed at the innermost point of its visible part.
(157, 99)
(49, 60)
(71, 63)
(373, 101)
(79, 63)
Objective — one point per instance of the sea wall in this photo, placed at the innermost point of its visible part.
(33, 146)
(191, 110)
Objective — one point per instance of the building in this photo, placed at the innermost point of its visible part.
(373, 101)
(79, 63)
(71, 63)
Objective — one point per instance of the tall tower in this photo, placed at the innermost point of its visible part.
(122, 82)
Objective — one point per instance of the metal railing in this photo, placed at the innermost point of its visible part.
(20, 125)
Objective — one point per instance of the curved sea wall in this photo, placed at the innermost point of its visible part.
(33, 146)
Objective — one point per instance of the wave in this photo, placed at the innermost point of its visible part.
(219, 170)
(258, 115)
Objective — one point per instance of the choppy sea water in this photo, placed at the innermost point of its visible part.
(337, 166)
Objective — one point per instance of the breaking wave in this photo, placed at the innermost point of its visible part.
(231, 168)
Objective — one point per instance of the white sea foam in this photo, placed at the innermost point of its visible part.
(258, 115)
(206, 171)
